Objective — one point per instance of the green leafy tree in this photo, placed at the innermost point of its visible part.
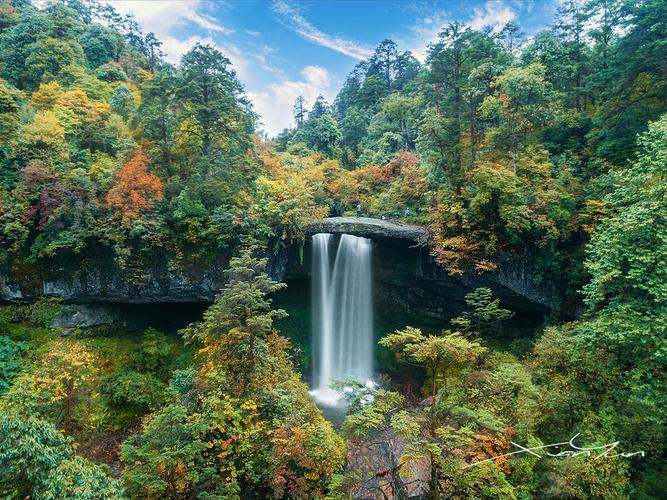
(353, 129)
(627, 292)
(122, 101)
(300, 111)
(475, 401)
(152, 49)
(101, 45)
(440, 355)
(321, 134)
(132, 393)
(320, 131)
(635, 79)
(461, 65)
(601, 375)
(485, 314)
(10, 365)
(396, 124)
(37, 461)
(383, 63)
(244, 425)
(17, 43)
(521, 102)
(157, 116)
(217, 116)
(570, 26)
(446, 60)
(59, 388)
(9, 122)
(235, 327)
(48, 58)
(162, 460)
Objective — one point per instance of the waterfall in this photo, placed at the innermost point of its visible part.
(342, 313)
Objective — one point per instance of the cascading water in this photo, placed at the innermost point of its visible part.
(342, 313)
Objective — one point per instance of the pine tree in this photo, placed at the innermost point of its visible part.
(299, 111)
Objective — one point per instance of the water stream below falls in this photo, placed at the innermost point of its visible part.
(342, 313)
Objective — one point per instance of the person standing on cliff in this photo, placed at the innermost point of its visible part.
(407, 211)
(358, 210)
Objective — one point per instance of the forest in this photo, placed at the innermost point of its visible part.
(551, 149)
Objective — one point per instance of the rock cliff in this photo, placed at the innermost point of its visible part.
(404, 274)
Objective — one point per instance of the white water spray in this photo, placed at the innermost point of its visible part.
(342, 313)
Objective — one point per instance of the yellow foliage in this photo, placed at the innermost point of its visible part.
(62, 378)
(75, 100)
(46, 96)
(188, 137)
(454, 252)
(143, 75)
(45, 129)
(89, 112)
(594, 212)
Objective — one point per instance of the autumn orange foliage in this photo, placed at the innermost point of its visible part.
(297, 464)
(135, 190)
(487, 446)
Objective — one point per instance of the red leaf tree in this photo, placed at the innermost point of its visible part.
(135, 190)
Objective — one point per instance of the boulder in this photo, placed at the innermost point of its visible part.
(83, 316)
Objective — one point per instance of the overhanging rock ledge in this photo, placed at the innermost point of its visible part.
(369, 228)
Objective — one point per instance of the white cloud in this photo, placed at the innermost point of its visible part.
(292, 18)
(262, 54)
(238, 58)
(424, 33)
(425, 30)
(274, 104)
(162, 17)
(495, 14)
(176, 47)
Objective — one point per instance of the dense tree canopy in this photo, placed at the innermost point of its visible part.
(552, 150)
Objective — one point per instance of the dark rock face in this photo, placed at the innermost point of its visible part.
(428, 291)
(405, 276)
(406, 279)
(154, 285)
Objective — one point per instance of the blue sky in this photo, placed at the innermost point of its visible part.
(284, 48)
